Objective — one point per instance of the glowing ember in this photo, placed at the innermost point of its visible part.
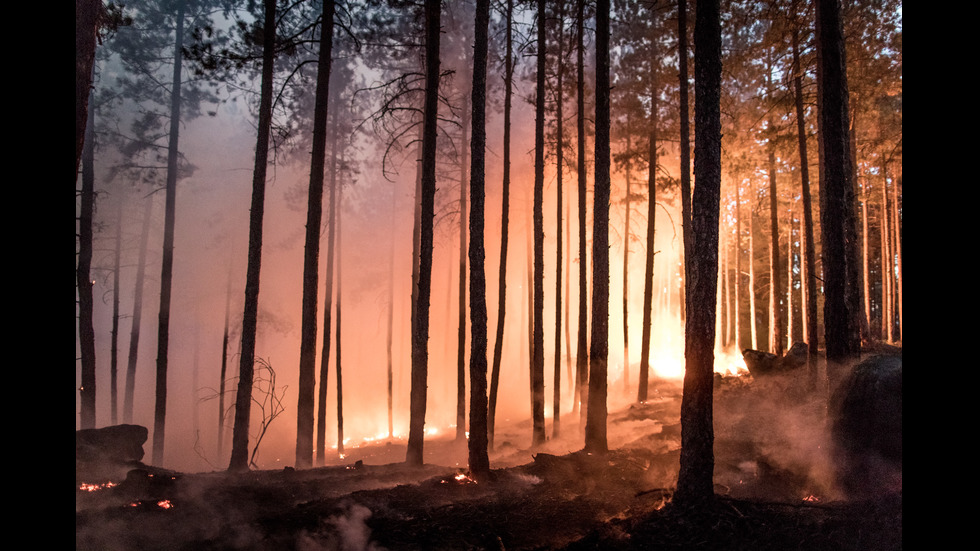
(811, 498)
(461, 478)
(95, 487)
(165, 504)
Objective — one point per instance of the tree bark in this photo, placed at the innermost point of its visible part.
(694, 481)
(835, 186)
(83, 279)
(338, 362)
(321, 431)
(479, 461)
(86, 34)
(243, 400)
(461, 325)
(537, 352)
(595, 428)
(420, 320)
(685, 147)
(113, 347)
(582, 343)
(651, 251)
(311, 257)
(559, 162)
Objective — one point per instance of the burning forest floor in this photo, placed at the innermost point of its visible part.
(773, 486)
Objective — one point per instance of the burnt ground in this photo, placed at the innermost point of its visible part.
(772, 492)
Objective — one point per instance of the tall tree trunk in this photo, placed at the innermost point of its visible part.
(809, 248)
(537, 352)
(776, 283)
(626, 264)
(738, 265)
(83, 279)
(504, 230)
(887, 270)
(86, 33)
(134, 334)
(897, 232)
(223, 375)
(789, 282)
(321, 415)
(582, 343)
(866, 260)
(835, 186)
(461, 335)
(752, 297)
(479, 461)
(391, 314)
(166, 271)
(338, 362)
(420, 320)
(113, 348)
(685, 153)
(651, 251)
(243, 399)
(694, 481)
(559, 165)
(595, 427)
(311, 257)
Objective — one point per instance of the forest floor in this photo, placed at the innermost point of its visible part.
(773, 487)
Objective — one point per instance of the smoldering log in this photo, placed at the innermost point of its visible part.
(761, 364)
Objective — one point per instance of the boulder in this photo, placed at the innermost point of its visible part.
(866, 427)
(108, 452)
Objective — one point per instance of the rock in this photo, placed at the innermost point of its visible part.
(867, 428)
(109, 452)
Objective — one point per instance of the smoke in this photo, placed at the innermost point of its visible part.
(347, 531)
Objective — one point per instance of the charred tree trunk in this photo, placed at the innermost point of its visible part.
(738, 265)
(651, 252)
(338, 363)
(113, 347)
(559, 162)
(537, 352)
(505, 224)
(835, 186)
(86, 33)
(243, 400)
(420, 320)
(166, 271)
(685, 152)
(595, 428)
(809, 249)
(83, 278)
(479, 461)
(311, 258)
(461, 335)
(752, 297)
(321, 416)
(223, 375)
(134, 334)
(694, 481)
(582, 343)
(626, 263)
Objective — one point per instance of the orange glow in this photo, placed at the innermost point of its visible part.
(87, 487)
(165, 504)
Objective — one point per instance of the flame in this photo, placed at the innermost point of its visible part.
(165, 504)
(812, 498)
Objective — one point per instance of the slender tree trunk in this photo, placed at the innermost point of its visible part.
(339, 364)
(685, 153)
(651, 251)
(461, 335)
(223, 375)
(505, 224)
(626, 264)
(595, 428)
(243, 400)
(582, 343)
(537, 353)
(887, 282)
(166, 271)
(752, 308)
(114, 348)
(83, 279)
(134, 334)
(897, 232)
(86, 34)
(479, 461)
(738, 265)
(391, 315)
(866, 260)
(420, 320)
(776, 283)
(809, 248)
(311, 258)
(789, 282)
(321, 416)
(835, 199)
(559, 165)
(694, 481)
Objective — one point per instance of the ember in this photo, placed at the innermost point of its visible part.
(87, 487)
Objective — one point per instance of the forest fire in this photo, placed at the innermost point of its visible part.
(443, 275)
